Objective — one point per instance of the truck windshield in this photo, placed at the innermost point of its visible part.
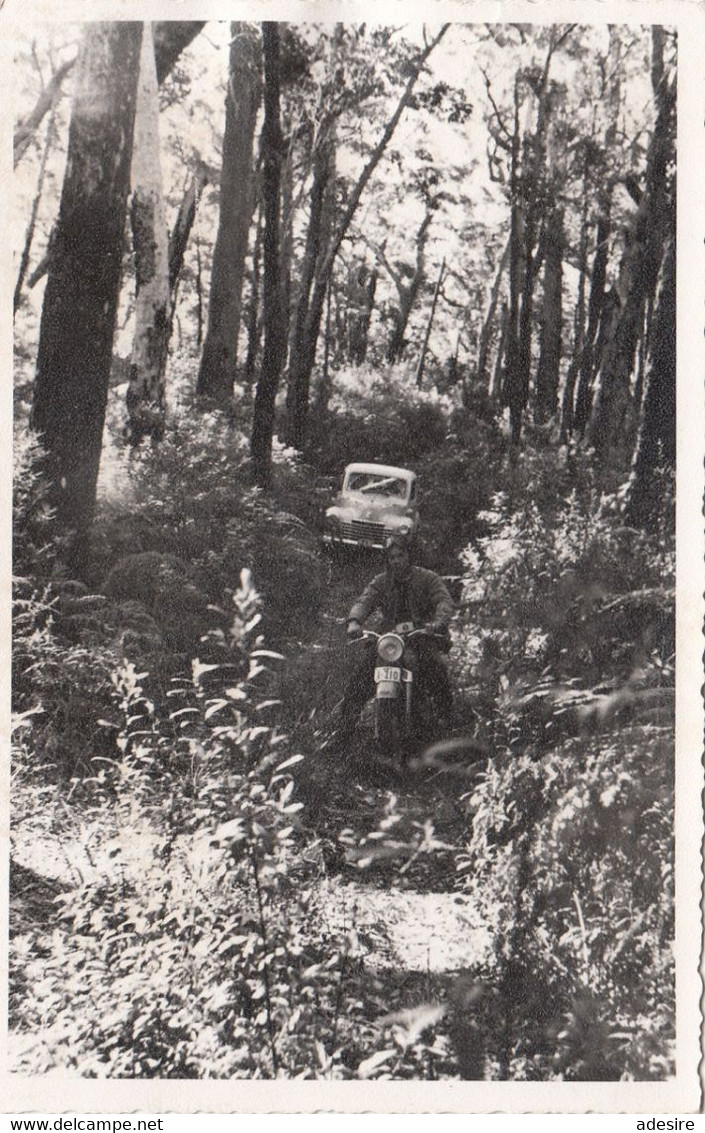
(374, 484)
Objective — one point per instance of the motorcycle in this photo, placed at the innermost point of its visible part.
(403, 712)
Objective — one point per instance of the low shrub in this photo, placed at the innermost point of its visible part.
(200, 949)
(571, 855)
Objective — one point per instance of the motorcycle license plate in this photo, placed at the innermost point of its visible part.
(387, 673)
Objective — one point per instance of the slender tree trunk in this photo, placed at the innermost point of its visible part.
(596, 306)
(287, 239)
(323, 392)
(511, 395)
(370, 292)
(199, 295)
(147, 386)
(656, 447)
(219, 359)
(643, 255)
(362, 285)
(273, 354)
(429, 325)
(301, 375)
(183, 224)
(408, 293)
(579, 321)
(80, 301)
(548, 370)
(323, 167)
(496, 385)
(516, 394)
(254, 323)
(488, 325)
(47, 101)
(29, 238)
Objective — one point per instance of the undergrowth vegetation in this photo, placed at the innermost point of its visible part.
(194, 934)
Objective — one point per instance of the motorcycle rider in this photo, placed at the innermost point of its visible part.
(402, 593)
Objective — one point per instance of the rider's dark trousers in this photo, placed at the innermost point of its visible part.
(432, 673)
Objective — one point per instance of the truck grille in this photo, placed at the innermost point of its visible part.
(370, 532)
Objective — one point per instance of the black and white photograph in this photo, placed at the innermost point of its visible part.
(356, 423)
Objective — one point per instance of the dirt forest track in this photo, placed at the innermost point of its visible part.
(378, 823)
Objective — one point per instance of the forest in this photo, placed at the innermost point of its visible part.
(246, 255)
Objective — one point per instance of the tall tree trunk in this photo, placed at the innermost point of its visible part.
(579, 321)
(183, 224)
(300, 376)
(548, 370)
(656, 446)
(488, 325)
(273, 354)
(408, 292)
(641, 264)
(596, 306)
(496, 385)
(147, 385)
(199, 296)
(518, 373)
(286, 252)
(424, 348)
(29, 237)
(254, 323)
(80, 301)
(362, 285)
(511, 394)
(170, 40)
(317, 233)
(219, 359)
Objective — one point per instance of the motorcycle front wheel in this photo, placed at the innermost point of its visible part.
(389, 727)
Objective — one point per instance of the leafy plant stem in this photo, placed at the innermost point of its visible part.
(265, 970)
(583, 935)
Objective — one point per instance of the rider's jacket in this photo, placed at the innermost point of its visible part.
(421, 597)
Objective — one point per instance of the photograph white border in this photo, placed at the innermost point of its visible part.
(682, 1094)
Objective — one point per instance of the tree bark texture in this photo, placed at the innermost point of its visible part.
(641, 263)
(427, 334)
(511, 393)
(171, 38)
(307, 317)
(183, 224)
(596, 307)
(362, 286)
(496, 383)
(273, 350)
(486, 333)
(580, 316)
(80, 301)
(656, 446)
(147, 386)
(548, 369)
(219, 359)
(254, 322)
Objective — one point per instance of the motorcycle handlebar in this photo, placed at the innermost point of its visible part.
(371, 635)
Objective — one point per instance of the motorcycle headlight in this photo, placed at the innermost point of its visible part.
(390, 647)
